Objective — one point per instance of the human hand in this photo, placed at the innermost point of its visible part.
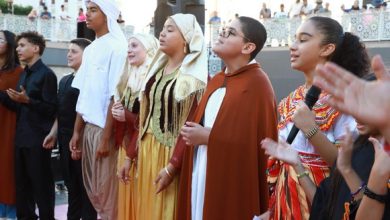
(20, 97)
(368, 102)
(164, 179)
(381, 166)
(345, 153)
(103, 149)
(50, 141)
(303, 118)
(195, 134)
(74, 147)
(118, 112)
(123, 172)
(281, 151)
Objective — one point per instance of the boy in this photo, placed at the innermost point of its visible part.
(34, 100)
(79, 204)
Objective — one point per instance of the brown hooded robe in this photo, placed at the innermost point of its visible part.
(236, 186)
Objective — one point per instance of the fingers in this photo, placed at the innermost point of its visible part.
(377, 145)
(192, 124)
(379, 68)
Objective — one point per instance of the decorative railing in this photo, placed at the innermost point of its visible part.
(369, 26)
(52, 29)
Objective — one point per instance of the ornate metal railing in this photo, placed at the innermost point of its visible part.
(369, 26)
(52, 29)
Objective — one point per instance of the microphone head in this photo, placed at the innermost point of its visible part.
(312, 96)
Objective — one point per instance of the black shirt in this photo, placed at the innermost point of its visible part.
(67, 99)
(362, 161)
(34, 120)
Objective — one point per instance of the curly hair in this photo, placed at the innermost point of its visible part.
(35, 38)
(350, 52)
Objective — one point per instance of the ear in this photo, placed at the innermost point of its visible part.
(327, 50)
(36, 49)
(248, 48)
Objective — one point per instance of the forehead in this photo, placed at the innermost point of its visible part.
(307, 27)
(2, 35)
(73, 46)
(92, 5)
(235, 25)
(134, 40)
(24, 41)
(170, 23)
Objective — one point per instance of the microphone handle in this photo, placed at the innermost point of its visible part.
(293, 133)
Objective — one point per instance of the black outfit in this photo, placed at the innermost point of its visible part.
(334, 190)
(79, 203)
(34, 179)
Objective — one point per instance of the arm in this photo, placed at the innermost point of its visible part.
(51, 139)
(103, 149)
(304, 119)
(345, 167)
(8, 102)
(282, 151)
(47, 104)
(74, 142)
(166, 175)
(377, 183)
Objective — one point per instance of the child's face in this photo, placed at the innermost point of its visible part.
(26, 50)
(171, 40)
(136, 53)
(230, 42)
(75, 54)
(305, 52)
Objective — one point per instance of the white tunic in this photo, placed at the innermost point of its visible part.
(334, 134)
(200, 156)
(98, 75)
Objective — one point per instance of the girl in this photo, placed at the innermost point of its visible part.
(141, 50)
(9, 75)
(174, 84)
(317, 40)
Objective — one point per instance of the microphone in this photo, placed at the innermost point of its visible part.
(310, 99)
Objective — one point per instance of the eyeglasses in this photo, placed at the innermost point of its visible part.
(3, 41)
(225, 32)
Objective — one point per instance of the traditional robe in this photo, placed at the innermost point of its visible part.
(236, 186)
(8, 79)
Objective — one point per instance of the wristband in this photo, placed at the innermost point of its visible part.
(304, 173)
(370, 194)
(312, 132)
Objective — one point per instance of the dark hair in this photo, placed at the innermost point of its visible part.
(34, 38)
(11, 60)
(255, 32)
(350, 53)
(81, 42)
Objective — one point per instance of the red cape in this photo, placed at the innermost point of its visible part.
(236, 186)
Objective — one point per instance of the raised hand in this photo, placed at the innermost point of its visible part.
(281, 151)
(345, 153)
(368, 102)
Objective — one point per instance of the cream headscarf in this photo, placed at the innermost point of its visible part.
(194, 65)
(133, 76)
(112, 13)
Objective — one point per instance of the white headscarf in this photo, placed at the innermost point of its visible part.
(134, 76)
(194, 63)
(111, 11)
